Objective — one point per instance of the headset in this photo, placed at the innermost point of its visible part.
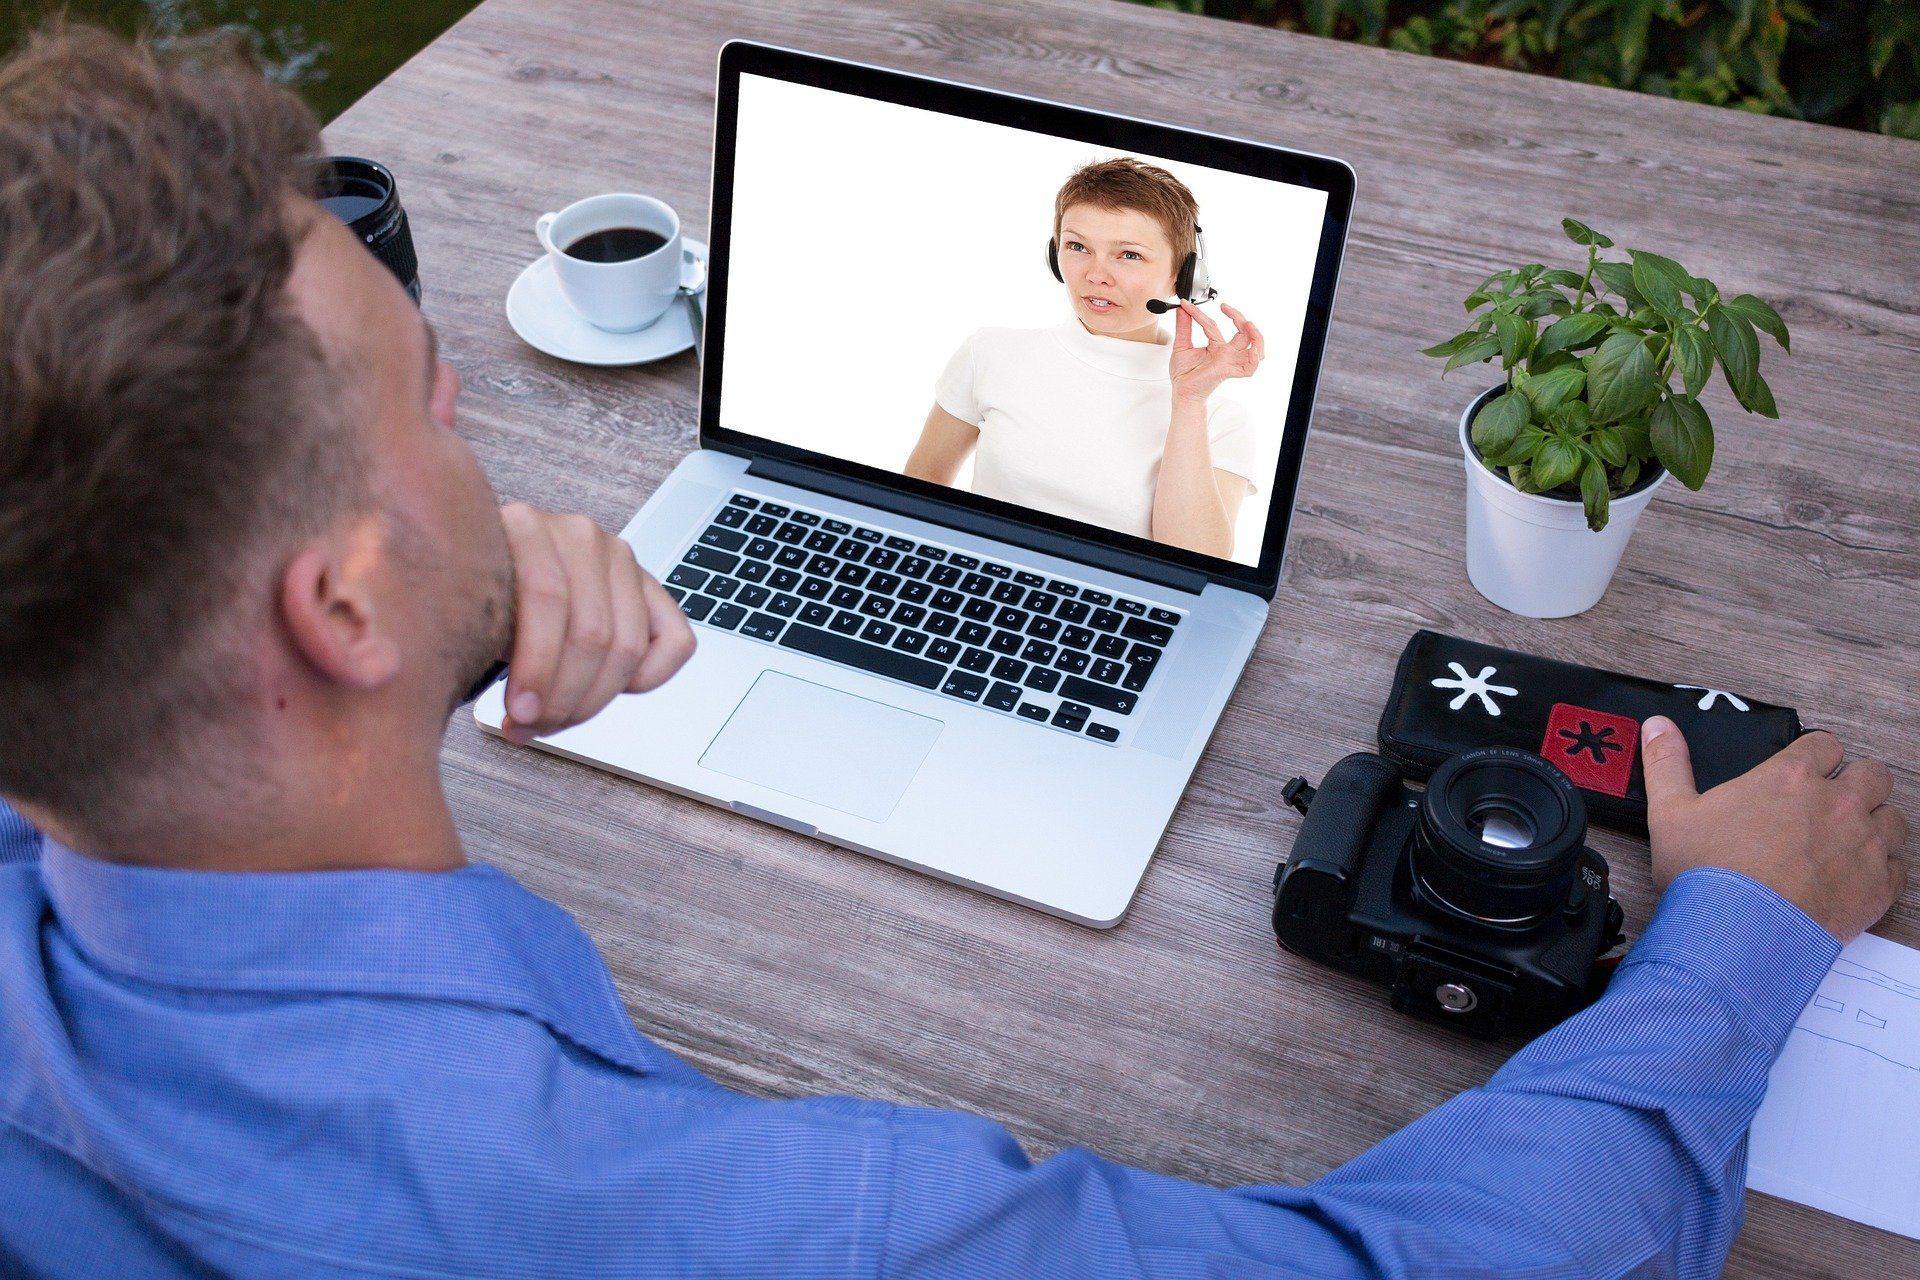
(1191, 283)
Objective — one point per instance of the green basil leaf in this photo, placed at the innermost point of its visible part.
(1477, 300)
(1547, 363)
(1659, 280)
(1593, 494)
(1693, 351)
(1548, 391)
(1762, 317)
(1618, 276)
(1581, 233)
(1573, 417)
(1522, 477)
(1629, 474)
(1760, 400)
(1738, 347)
(1571, 332)
(1555, 464)
(1620, 378)
(1635, 438)
(1498, 423)
(1475, 351)
(1564, 278)
(1682, 439)
(1516, 338)
(1450, 346)
(1611, 446)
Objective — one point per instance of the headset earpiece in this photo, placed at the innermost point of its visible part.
(1053, 260)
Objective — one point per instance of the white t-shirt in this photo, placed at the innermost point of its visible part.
(1074, 424)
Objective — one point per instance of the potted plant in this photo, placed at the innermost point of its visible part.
(1562, 458)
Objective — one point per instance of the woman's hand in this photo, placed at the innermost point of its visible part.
(1196, 371)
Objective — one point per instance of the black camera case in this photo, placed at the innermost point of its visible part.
(1348, 898)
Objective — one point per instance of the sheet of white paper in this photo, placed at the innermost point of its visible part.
(1840, 1127)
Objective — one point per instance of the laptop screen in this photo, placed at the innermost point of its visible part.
(964, 301)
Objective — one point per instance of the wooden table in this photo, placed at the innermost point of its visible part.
(1183, 1040)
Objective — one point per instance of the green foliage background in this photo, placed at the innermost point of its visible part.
(1846, 62)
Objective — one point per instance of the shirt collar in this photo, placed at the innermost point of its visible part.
(473, 935)
(1140, 361)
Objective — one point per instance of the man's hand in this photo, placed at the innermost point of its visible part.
(1818, 833)
(589, 623)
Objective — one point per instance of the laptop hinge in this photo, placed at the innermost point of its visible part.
(1042, 540)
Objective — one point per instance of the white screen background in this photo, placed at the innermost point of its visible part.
(869, 239)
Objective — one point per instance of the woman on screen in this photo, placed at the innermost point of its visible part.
(1105, 418)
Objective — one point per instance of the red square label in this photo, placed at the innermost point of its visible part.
(1594, 748)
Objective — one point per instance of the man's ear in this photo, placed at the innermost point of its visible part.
(328, 600)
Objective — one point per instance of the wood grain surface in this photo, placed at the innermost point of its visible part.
(1183, 1040)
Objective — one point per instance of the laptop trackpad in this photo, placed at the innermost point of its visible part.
(804, 739)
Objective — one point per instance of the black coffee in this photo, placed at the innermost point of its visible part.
(615, 244)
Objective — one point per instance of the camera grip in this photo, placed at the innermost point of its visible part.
(1316, 889)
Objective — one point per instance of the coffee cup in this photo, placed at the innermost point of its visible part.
(619, 259)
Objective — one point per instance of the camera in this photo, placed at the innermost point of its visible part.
(1476, 902)
(364, 195)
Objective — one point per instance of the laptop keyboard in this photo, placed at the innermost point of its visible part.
(1054, 653)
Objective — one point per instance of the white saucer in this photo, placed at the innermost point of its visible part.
(546, 321)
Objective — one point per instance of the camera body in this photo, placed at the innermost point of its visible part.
(1476, 902)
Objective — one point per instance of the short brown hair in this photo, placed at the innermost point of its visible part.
(165, 414)
(1126, 183)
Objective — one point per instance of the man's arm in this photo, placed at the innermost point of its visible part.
(19, 842)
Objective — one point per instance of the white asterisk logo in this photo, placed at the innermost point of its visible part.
(1708, 695)
(1474, 687)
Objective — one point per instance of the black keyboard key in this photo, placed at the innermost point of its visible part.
(1041, 601)
(1147, 632)
(753, 596)
(755, 571)
(1110, 646)
(1142, 655)
(993, 570)
(823, 566)
(1133, 607)
(976, 660)
(943, 575)
(1096, 597)
(846, 597)
(775, 509)
(1005, 642)
(974, 633)
(1062, 588)
(698, 607)
(723, 588)
(1104, 732)
(976, 584)
(1167, 616)
(881, 558)
(806, 518)
(876, 606)
(852, 574)
(1071, 716)
(877, 632)
(1136, 678)
(1042, 679)
(914, 567)
(790, 557)
(1003, 697)
(784, 580)
(762, 626)
(685, 575)
(725, 539)
(916, 592)
(1105, 620)
(1008, 593)
(1076, 638)
(1010, 618)
(1074, 611)
(816, 614)
(885, 582)
(783, 606)
(960, 684)
(1026, 579)
(857, 653)
(762, 525)
(851, 549)
(712, 558)
(815, 589)
(1038, 651)
(943, 651)
(727, 617)
(742, 500)
(899, 543)
(790, 533)
(731, 517)
(821, 540)
(942, 624)
(1107, 670)
(964, 561)
(909, 615)
(867, 535)
(910, 641)
(762, 548)
(1033, 711)
(677, 593)
(1009, 669)
(847, 624)
(1100, 695)
(929, 553)
(948, 600)
(836, 526)
(1072, 660)
(977, 609)
(1044, 628)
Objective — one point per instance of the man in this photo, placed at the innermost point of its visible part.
(261, 1019)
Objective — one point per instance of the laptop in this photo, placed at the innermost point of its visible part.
(960, 603)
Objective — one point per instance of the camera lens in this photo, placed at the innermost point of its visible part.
(364, 195)
(1499, 837)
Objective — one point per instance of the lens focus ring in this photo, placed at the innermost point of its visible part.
(1499, 837)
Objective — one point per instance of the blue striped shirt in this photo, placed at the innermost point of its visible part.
(388, 1073)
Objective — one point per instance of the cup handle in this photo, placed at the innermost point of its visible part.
(541, 226)
(693, 271)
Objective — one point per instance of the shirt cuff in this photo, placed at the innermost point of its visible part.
(1744, 940)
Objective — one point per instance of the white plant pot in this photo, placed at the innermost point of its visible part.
(1534, 555)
